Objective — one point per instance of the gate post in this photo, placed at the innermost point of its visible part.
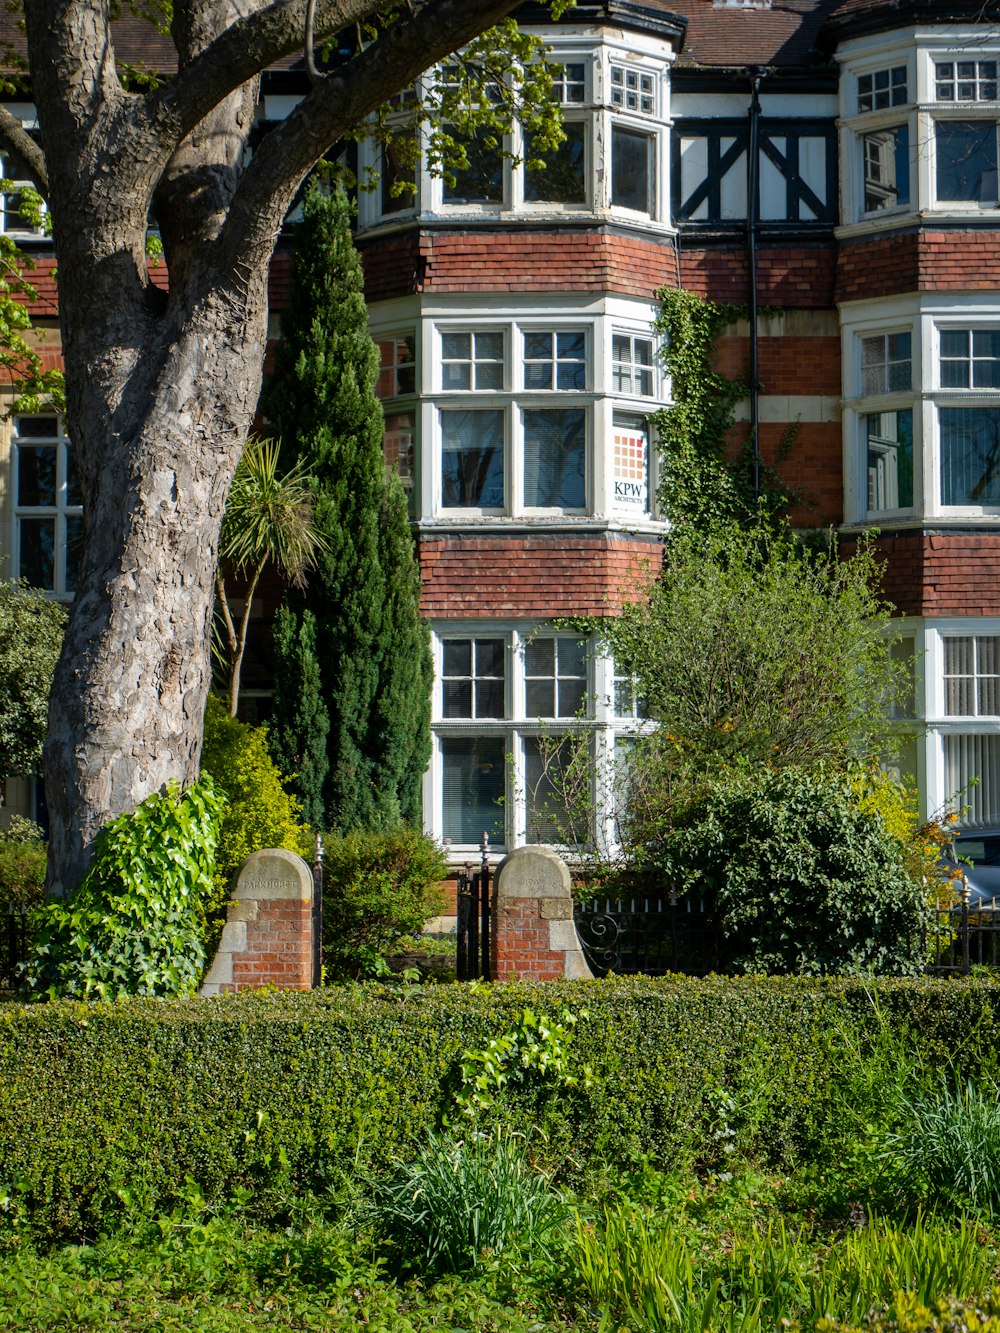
(534, 937)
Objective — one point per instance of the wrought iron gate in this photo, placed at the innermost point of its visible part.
(473, 911)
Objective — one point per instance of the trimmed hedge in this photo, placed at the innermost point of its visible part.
(108, 1106)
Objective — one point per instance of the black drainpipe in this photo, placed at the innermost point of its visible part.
(753, 218)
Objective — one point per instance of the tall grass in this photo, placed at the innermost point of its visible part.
(647, 1274)
(462, 1199)
(945, 1148)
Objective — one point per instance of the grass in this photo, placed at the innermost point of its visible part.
(658, 1252)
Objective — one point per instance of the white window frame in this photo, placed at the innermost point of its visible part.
(59, 512)
(518, 730)
(513, 403)
(936, 726)
(940, 397)
(888, 319)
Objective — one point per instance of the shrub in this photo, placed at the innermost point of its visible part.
(22, 865)
(377, 887)
(132, 927)
(460, 1200)
(259, 811)
(803, 880)
(282, 1093)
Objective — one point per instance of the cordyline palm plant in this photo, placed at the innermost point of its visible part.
(269, 519)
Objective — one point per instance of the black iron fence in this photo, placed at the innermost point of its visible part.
(13, 946)
(656, 934)
(651, 934)
(963, 937)
(472, 904)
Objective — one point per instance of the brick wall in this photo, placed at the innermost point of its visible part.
(546, 576)
(278, 948)
(941, 573)
(484, 259)
(788, 275)
(924, 260)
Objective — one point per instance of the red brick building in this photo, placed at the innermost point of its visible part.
(831, 166)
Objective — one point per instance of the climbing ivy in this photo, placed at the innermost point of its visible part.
(706, 479)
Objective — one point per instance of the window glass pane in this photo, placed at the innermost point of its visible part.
(397, 445)
(572, 657)
(489, 698)
(38, 428)
(631, 170)
(562, 179)
(632, 90)
(481, 182)
(473, 771)
(974, 757)
(958, 696)
(904, 653)
(988, 673)
(966, 157)
(572, 697)
(472, 448)
(883, 88)
(37, 551)
(550, 788)
(490, 657)
(886, 168)
(571, 365)
(456, 657)
(540, 657)
(456, 698)
(889, 448)
(489, 347)
(36, 475)
(74, 549)
(395, 172)
(540, 697)
(970, 455)
(554, 452)
(473, 678)
(986, 359)
(397, 366)
(456, 346)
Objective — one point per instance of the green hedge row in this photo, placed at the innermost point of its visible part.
(104, 1106)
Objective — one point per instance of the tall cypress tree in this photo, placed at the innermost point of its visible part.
(372, 648)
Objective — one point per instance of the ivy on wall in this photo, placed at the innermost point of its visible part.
(705, 478)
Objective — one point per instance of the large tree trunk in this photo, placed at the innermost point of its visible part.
(130, 688)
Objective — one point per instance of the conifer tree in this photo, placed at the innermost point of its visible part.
(298, 732)
(371, 645)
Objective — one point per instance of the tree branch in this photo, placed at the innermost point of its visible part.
(340, 102)
(244, 50)
(26, 155)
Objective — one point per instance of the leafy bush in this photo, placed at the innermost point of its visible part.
(377, 887)
(259, 812)
(802, 879)
(31, 632)
(132, 927)
(22, 865)
(281, 1093)
(460, 1200)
